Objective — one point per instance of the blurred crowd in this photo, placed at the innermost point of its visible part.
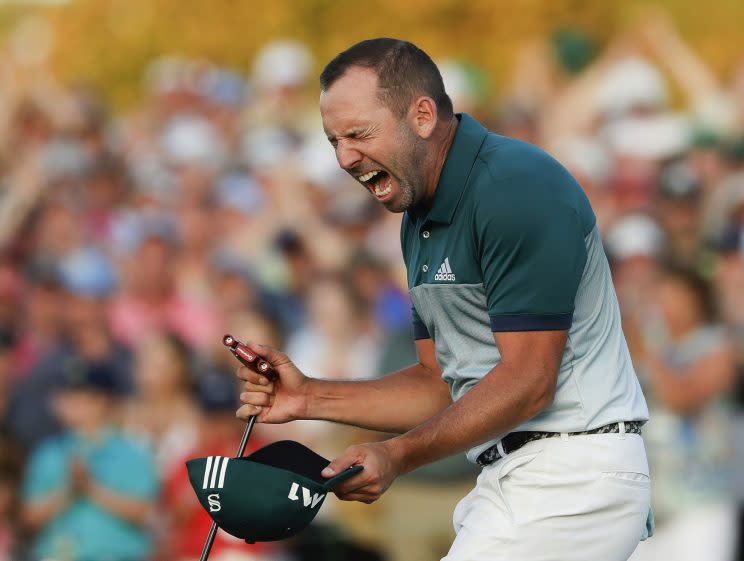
(132, 241)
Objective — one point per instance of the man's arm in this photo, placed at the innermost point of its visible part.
(395, 403)
(515, 390)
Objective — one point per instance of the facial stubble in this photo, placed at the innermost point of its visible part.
(410, 180)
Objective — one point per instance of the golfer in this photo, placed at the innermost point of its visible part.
(522, 362)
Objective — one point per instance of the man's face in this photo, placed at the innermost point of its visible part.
(375, 146)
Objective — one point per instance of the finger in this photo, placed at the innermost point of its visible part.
(247, 411)
(249, 387)
(357, 483)
(349, 458)
(274, 357)
(360, 497)
(249, 374)
(253, 398)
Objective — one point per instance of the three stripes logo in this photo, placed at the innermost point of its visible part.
(445, 272)
(214, 474)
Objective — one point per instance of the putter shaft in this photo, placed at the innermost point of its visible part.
(251, 360)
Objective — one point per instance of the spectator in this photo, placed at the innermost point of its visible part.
(88, 493)
(689, 369)
(161, 413)
(679, 213)
(635, 246)
(150, 303)
(40, 328)
(82, 318)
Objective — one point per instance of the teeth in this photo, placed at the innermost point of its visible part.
(367, 176)
(382, 192)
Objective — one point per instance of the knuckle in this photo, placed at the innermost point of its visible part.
(247, 411)
(253, 398)
(258, 388)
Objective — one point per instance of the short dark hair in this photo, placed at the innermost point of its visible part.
(403, 72)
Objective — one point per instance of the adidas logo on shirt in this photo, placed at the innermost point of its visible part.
(444, 273)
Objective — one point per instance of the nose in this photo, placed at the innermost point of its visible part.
(347, 157)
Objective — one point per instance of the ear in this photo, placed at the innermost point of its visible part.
(424, 116)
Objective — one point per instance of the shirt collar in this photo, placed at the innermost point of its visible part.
(465, 147)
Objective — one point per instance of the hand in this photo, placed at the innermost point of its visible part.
(273, 401)
(79, 477)
(382, 465)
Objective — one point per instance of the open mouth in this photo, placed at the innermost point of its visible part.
(378, 182)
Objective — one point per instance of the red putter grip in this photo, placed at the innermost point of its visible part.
(247, 357)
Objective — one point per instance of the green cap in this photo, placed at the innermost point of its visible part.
(269, 495)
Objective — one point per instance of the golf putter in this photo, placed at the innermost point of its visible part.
(251, 360)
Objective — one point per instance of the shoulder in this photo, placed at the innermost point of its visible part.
(48, 458)
(49, 450)
(517, 181)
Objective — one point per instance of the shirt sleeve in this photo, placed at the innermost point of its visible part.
(532, 257)
(420, 331)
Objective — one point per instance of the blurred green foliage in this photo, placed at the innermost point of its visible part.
(109, 42)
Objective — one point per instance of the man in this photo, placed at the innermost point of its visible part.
(516, 322)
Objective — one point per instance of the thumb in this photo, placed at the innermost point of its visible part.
(272, 356)
(338, 465)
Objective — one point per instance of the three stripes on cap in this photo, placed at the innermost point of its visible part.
(215, 465)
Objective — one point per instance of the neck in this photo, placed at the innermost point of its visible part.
(92, 432)
(442, 147)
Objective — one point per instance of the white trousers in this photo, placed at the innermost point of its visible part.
(568, 498)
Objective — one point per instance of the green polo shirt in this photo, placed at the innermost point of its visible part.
(510, 244)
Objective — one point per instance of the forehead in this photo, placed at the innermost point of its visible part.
(351, 101)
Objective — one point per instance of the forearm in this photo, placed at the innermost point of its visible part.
(134, 511)
(395, 403)
(37, 513)
(687, 391)
(502, 400)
